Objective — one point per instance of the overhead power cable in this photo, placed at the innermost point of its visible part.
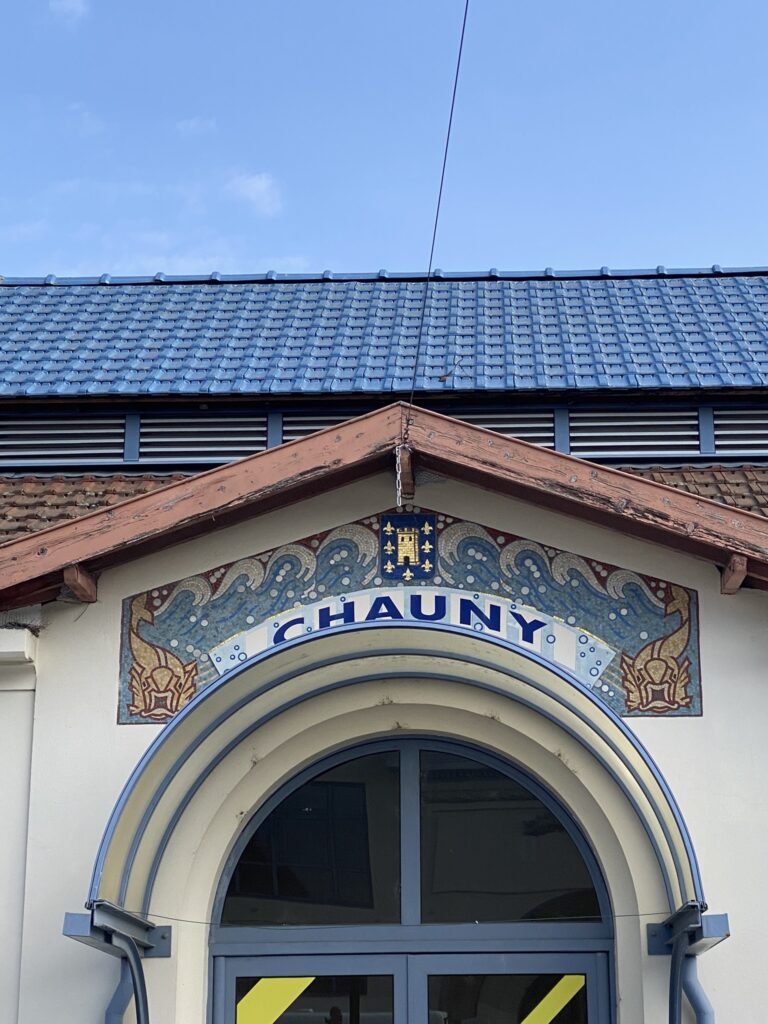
(409, 411)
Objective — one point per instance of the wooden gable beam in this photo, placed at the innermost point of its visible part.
(733, 574)
(80, 582)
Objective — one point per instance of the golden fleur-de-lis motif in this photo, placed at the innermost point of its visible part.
(426, 528)
(389, 547)
(389, 528)
(426, 565)
(426, 546)
(388, 567)
(408, 575)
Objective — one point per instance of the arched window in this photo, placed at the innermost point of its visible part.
(413, 860)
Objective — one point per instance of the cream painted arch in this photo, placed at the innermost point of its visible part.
(236, 742)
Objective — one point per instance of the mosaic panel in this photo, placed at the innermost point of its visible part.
(633, 639)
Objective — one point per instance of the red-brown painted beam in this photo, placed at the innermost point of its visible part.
(80, 582)
(281, 476)
(733, 574)
(248, 487)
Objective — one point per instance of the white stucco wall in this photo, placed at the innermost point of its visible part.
(80, 757)
(17, 703)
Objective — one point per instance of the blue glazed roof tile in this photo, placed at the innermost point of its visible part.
(690, 329)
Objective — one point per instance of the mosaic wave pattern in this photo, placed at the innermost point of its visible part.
(636, 638)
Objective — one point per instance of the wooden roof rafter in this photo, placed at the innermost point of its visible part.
(32, 568)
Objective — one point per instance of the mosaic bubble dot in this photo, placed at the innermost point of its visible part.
(643, 635)
(290, 593)
(623, 611)
(438, 579)
(174, 643)
(571, 620)
(470, 579)
(377, 581)
(594, 672)
(250, 620)
(193, 618)
(344, 554)
(605, 688)
(314, 542)
(321, 588)
(345, 581)
(312, 595)
(273, 593)
(525, 590)
(551, 638)
(500, 539)
(583, 639)
(155, 593)
(240, 588)
(203, 622)
(197, 652)
(611, 615)
(189, 648)
(574, 583)
(541, 588)
(494, 585)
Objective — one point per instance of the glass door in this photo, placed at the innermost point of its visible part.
(413, 989)
(508, 989)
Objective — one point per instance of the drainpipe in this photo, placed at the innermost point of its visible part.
(118, 1004)
(695, 994)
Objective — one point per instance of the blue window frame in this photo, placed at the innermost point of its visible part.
(418, 946)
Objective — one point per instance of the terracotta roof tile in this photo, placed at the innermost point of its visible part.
(31, 503)
(744, 487)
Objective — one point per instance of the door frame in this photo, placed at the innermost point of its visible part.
(410, 973)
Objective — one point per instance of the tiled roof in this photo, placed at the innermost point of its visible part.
(348, 334)
(744, 487)
(31, 503)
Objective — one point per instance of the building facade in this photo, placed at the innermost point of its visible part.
(401, 716)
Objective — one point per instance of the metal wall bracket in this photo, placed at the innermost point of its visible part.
(702, 931)
(105, 921)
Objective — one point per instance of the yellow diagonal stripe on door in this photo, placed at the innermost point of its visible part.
(269, 998)
(554, 1001)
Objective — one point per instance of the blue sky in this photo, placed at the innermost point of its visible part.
(244, 136)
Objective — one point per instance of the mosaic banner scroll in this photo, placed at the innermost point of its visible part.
(633, 639)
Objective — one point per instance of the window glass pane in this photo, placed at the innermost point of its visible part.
(492, 851)
(328, 854)
(325, 1000)
(507, 999)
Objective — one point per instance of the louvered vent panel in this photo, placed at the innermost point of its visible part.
(738, 430)
(201, 438)
(39, 442)
(296, 426)
(635, 433)
(536, 427)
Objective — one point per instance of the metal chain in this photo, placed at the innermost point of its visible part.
(398, 477)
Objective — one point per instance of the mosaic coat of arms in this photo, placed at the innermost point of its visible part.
(632, 639)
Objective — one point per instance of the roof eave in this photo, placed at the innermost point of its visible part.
(32, 568)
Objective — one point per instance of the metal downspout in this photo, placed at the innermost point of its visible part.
(118, 1004)
(695, 994)
(131, 950)
(675, 979)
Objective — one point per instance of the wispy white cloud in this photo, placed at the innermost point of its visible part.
(260, 191)
(71, 10)
(190, 126)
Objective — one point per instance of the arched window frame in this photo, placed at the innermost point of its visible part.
(410, 935)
